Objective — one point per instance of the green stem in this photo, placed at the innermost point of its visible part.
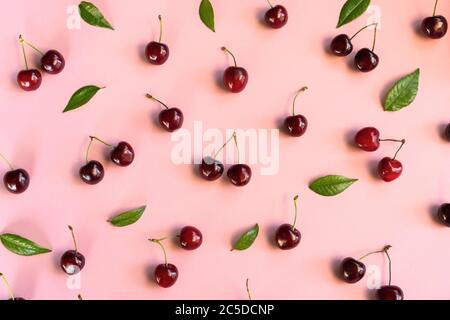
(159, 101)
(11, 294)
(158, 241)
(386, 249)
(21, 41)
(160, 28)
(73, 238)
(296, 211)
(7, 162)
(89, 149)
(231, 54)
(224, 145)
(374, 38)
(295, 98)
(363, 28)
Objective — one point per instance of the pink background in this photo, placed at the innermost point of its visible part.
(37, 136)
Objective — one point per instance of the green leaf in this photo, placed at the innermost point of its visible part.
(331, 185)
(351, 10)
(246, 240)
(92, 15)
(21, 246)
(81, 97)
(206, 12)
(128, 217)
(403, 93)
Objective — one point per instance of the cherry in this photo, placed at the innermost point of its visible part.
(368, 139)
(190, 238)
(365, 59)
(29, 79)
(15, 181)
(92, 172)
(53, 62)
(72, 261)
(389, 292)
(287, 236)
(444, 214)
(122, 154)
(435, 27)
(170, 119)
(8, 287)
(342, 46)
(239, 174)
(390, 169)
(353, 270)
(276, 17)
(296, 125)
(165, 274)
(157, 53)
(211, 169)
(446, 134)
(234, 78)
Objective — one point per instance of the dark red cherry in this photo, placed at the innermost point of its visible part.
(390, 293)
(366, 60)
(447, 132)
(352, 270)
(123, 154)
(296, 125)
(434, 27)
(389, 169)
(171, 119)
(239, 174)
(17, 299)
(211, 169)
(190, 238)
(276, 17)
(444, 214)
(72, 262)
(16, 181)
(166, 275)
(287, 237)
(29, 80)
(157, 53)
(341, 45)
(368, 139)
(53, 62)
(234, 78)
(92, 173)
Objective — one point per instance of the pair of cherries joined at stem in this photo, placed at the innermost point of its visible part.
(52, 62)
(15, 180)
(212, 169)
(72, 261)
(434, 27)
(93, 171)
(353, 270)
(368, 139)
(166, 274)
(157, 52)
(8, 287)
(276, 17)
(365, 59)
(170, 119)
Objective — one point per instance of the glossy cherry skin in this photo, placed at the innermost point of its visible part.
(171, 119)
(210, 169)
(434, 27)
(444, 214)
(235, 79)
(296, 125)
(157, 53)
(72, 262)
(389, 169)
(239, 174)
(368, 139)
(366, 60)
(287, 237)
(17, 298)
(92, 173)
(166, 275)
(16, 181)
(53, 62)
(190, 238)
(276, 17)
(447, 132)
(29, 80)
(341, 45)
(352, 270)
(123, 154)
(390, 293)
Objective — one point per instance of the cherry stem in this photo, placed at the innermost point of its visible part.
(270, 3)
(296, 211)
(237, 147)
(101, 141)
(435, 7)
(400, 148)
(32, 46)
(374, 37)
(248, 290)
(73, 238)
(11, 294)
(7, 162)
(295, 98)
(374, 252)
(363, 28)
(224, 145)
(386, 249)
(160, 28)
(159, 101)
(21, 41)
(231, 54)
(158, 241)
